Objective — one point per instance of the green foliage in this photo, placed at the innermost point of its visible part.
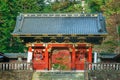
(63, 7)
(9, 9)
(47, 9)
(56, 66)
(74, 8)
(111, 7)
(95, 5)
(28, 6)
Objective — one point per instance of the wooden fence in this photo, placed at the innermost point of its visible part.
(16, 66)
(102, 66)
(88, 66)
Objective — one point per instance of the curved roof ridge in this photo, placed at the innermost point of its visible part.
(58, 15)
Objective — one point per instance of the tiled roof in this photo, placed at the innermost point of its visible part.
(16, 55)
(107, 55)
(2, 55)
(64, 24)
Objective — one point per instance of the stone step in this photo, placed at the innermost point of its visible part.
(58, 76)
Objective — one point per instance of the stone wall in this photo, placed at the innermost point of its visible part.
(16, 75)
(104, 75)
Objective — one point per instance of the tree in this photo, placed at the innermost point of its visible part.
(9, 9)
(66, 6)
(95, 5)
(29, 6)
(6, 22)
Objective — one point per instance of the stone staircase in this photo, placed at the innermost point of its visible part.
(58, 75)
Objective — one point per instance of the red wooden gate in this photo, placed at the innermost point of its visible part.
(61, 56)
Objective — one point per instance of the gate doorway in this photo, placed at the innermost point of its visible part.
(60, 59)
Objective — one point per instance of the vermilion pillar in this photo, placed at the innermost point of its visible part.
(46, 58)
(90, 54)
(73, 58)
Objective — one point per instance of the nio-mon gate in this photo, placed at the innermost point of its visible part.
(61, 56)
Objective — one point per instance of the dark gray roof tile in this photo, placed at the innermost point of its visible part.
(54, 25)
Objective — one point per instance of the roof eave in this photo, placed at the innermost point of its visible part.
(59, 35)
